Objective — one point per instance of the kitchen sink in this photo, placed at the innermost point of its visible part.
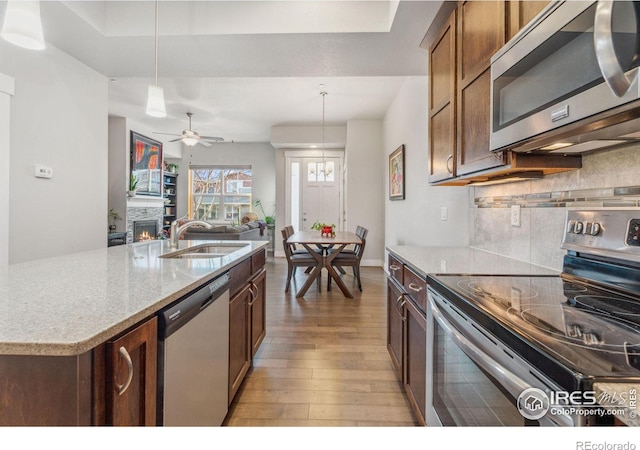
(204, 251)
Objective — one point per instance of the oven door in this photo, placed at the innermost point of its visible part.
(576, 59)
(471, 378)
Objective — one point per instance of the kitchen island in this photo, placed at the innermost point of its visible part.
(59, 316)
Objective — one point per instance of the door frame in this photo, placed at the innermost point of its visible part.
(291, 156)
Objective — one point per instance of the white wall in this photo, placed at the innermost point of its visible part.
(59, 119)
(416, 220)
(260, 156)
(7, 85)
(364, 188)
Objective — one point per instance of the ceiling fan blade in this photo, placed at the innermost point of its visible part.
(205, 143)
(212, 138)
(176, 140)
(168, 134)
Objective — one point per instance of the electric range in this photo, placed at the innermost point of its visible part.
(563, 333)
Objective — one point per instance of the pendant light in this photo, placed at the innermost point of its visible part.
(155, 100)
(327, 167)
(22, 25)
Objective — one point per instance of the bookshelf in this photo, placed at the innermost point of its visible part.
(169, 192)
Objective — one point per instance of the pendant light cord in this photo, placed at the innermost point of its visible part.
(156, 42)
(324, 169)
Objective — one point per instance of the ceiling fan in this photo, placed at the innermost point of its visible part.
(191, 137)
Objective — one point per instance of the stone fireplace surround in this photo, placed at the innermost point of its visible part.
(137, 213)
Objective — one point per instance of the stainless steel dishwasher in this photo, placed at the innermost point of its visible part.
(193, 357)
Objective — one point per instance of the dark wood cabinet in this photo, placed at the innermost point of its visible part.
(415, 360)
(132, 376)
(480, 33)
(521, 12)
(442, 70)
(247, 317)
(239, 345)
(461, 41)
(395, 327)
(104, 386)
(407, 337)
(257, 310)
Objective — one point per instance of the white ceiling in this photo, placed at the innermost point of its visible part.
(244, 66)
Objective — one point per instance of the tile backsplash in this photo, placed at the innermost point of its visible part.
(609, 178)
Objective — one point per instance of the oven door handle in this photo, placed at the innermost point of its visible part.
(507, 379)
(612, 71)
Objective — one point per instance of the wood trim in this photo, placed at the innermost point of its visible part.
(438, 22)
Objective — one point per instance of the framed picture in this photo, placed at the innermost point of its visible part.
(396, 174)
(146, 164)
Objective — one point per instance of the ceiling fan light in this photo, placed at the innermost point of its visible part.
(155, 101)
(22, 25)
(189, 141)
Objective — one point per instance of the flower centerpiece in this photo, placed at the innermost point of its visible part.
(324, 229)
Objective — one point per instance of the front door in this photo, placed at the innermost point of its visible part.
(320, 199)
(311, 195)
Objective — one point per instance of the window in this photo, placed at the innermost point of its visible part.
(219, 193)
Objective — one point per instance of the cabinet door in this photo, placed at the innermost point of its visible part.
(132, 376)
(239, 345)
(395, 327)
(480, 33)
(257, 308)
(521, 12)
(442, 103)
(415, 366)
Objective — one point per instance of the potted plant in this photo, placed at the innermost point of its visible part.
(268, 219)
(324, 229)
(112, 216)
(133, 185)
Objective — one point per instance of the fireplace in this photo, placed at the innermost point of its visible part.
(144, 230)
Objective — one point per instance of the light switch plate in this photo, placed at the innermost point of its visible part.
(43, 171)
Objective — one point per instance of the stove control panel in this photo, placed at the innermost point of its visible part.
(604, 231)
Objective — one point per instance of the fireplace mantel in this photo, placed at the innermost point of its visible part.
(145, 202)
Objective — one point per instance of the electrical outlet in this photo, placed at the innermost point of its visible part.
(515, 215)
(444, 213)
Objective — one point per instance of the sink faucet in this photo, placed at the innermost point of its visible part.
(176, 231)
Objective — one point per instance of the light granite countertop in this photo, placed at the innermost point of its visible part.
(69, 304)
(463, 260)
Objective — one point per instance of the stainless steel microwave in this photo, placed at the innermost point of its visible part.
(568, 81)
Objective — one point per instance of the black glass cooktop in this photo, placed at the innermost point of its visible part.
(590, 331)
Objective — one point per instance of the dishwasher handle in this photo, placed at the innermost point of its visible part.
(174, 317)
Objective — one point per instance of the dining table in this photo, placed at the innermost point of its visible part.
(313, 240)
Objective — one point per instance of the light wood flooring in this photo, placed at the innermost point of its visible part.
(324, 360)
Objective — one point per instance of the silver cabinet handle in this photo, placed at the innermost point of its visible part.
(415, 287)
(394, 267)
(254, 295)
(450, 170)
(125, 354)
(400, 307)
(612, 71)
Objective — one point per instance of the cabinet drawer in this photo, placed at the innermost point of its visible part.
(257, 261)
(395, 269)
(416, 287)
(239, 274)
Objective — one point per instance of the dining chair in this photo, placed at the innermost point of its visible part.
(295, 260)
(351, 257)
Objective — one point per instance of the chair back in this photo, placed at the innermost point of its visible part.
(285, 245)
(361, 232)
